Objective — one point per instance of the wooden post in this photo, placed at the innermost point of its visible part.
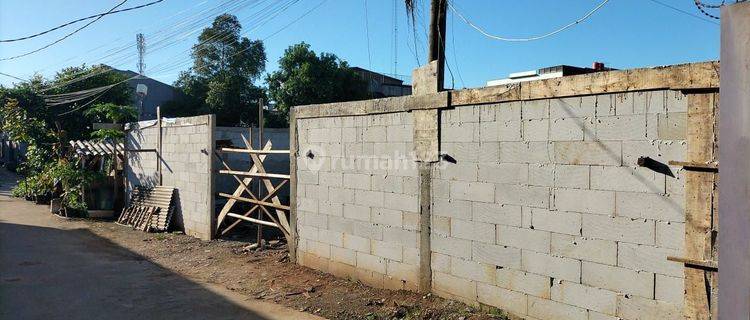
(158, 144)
(259, 235)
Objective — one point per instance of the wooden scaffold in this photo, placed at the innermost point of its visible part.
(268, 205)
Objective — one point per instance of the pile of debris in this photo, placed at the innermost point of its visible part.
(150, 209)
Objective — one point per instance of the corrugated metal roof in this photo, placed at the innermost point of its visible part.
(96, 148)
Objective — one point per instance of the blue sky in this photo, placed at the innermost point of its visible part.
(623, 34)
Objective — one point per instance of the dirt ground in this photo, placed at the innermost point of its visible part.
(268, 275)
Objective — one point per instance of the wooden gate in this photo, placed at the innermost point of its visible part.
(269, 205)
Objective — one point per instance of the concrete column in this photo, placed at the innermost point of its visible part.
(734, 163)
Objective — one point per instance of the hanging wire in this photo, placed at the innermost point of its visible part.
(549, 34)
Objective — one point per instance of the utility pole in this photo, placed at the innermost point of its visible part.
(438, 11)
(141, 42)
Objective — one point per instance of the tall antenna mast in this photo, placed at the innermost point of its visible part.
(395, 37)
(141, 52)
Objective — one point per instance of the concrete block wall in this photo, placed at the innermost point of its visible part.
(546, 214)
(357, 199)
(187, 147)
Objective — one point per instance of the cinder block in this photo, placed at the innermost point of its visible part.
(440, 188)
(541, 175)
(520, 281)
(500, 256)
(618, 279)
(440, 262)
(529, 239)
(357, 181)
(511, 301)
(356, 243)
(534, 109)
(511, 173)
(583, 296)
(633, 307)
(525, 152)
(373, 133)
(441, 226)
(459, 132)
(536, 129)
(451, 246)
(387, 217)
(551, 310)
(648, 258)
(494, 213)
(556, 267)
(462, 171)
(341, 195)
(339, 223)
(470, 230)
(531, 196)
(331, 237)
(411, 256)
(673, 126)
(624, 229)
(651, 206)
(670, 235)
(509, 130)
(568, 129)
(670, 289)
(659, 150)
(473, 191)
(369, 198)
(593, 315)
(634, 179)
(371, 262)
(601, 251)
(472, 270)
(307, 177)
(489, 131)
(571, 107)
(399, 133)
(568, 176)
(343, 255)
(511, 111)
(368, 230)
(331, 179)
(628, 127)
(453, 208)
(399, 201)
(387, 183)
(387, 249)
(321, 250)
(585, 201)
(403, 272)
(443, 283)
(356, 212)
(588, 152)
(410, 185)
(556, 221)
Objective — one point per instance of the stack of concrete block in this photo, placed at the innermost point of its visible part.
(546, 214)
(186, 165)
(357, 199)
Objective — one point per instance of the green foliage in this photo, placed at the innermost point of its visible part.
(221, 81)
(102, 112)
(307, 78)
(21, 126)
(71, 178)
(108, 134)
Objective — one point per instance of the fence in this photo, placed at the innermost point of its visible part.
(582, 197)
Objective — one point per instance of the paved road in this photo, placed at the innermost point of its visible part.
(55, 269)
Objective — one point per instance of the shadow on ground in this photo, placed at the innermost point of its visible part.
(48, 273)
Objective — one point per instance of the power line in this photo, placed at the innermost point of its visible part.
(12, 76)
(666, 5)
(63, 38)
(367, 34)
(79, 20)
(700, 7)
(485, 33)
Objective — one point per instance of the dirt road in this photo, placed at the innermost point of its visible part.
(52, 268)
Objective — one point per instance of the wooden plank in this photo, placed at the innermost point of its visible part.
(253, 220)
(699, 203)
(256, 207)
(257, 175)
(258, 202)
(687, 165)
(237, 192)
(237, 150)
(706, 264)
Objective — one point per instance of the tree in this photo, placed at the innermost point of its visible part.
(221, 81)
(307, 78)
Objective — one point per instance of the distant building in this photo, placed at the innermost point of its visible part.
(548, 73)
(381, 86)
(158, 94)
